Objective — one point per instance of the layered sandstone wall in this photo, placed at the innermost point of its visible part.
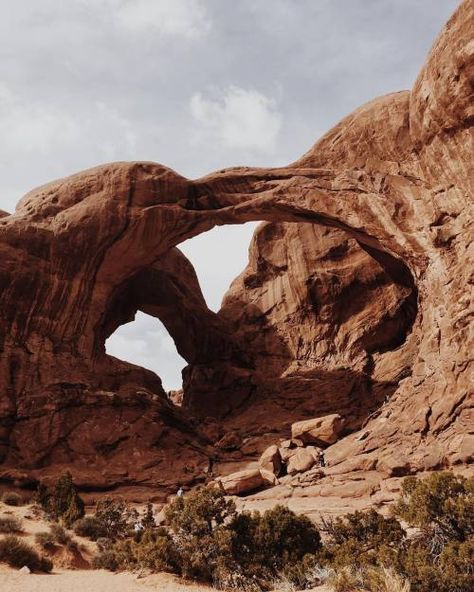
(363, 308)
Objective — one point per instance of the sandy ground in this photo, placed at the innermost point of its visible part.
(92, 581)
(97, 581)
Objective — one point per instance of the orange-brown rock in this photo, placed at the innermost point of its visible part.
(319, 430)
(271, 460)
(246, 481)
(356, 300)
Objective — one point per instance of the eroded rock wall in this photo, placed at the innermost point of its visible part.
(393, 182)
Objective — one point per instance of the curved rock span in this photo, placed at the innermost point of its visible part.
(356, 301)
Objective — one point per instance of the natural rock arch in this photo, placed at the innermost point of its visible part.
(396, 175)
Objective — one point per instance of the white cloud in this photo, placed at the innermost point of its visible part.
(181, 18)
(240, 118)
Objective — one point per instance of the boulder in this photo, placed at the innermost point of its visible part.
(319, 430)
(271, 460)
(303, 460)
(243, 481)
(287, 453)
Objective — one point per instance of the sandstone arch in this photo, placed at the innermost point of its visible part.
(396, 175)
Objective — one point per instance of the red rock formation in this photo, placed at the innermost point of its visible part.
(325, 318)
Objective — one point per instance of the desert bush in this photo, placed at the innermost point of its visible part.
(57, 535)
(10, 524)
(62, 501)
(45, 539)
(106, 560)
(115, 517)
(304, 574)
(442, 505)
(206, 540)
(363, 538)
(368, 579)
(17, 553)
(441, 555)
(148, 519)
(90, 527)
(11, 498)
(276, 538)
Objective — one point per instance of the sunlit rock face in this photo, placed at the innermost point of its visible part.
(356, 299)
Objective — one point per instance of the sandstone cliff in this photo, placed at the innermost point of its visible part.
(357, 300)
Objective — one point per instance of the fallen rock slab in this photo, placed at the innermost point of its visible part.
(319, 430)
(246, 481)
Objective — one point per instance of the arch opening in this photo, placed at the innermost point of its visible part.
(300, 316)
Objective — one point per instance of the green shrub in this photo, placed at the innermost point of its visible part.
(17, 553)
(442, 504)
(89, 527)
(62, 502)
(363, 538)
(114, 518)
(441, 556)
(148, 520)
(11, 498)
(10, 524)
(106, 560)
(273, 539)
(206, 540)
(199, 512)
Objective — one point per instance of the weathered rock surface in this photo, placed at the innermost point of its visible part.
(246, 481)
(302, 460)
(271, 460)
(363, 308)
(319, 430)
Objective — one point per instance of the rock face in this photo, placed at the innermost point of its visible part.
(355, 301)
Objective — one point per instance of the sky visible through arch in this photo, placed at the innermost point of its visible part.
(197, 85)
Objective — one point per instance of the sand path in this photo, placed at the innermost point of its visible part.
(92, 581)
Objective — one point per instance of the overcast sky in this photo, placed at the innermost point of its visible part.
(197, 85)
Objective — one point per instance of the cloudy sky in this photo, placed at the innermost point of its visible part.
(197, 85)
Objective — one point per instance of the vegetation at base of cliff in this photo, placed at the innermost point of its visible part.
(17, 553)
(205, 539)
(62, 501)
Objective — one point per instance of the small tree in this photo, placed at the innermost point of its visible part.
(148, 520)
(363, 538)
(198, 514)
(62, 502)
(115, 517)
(442, 505)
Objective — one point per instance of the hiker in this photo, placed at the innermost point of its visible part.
(180, 492)
(322, 460)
